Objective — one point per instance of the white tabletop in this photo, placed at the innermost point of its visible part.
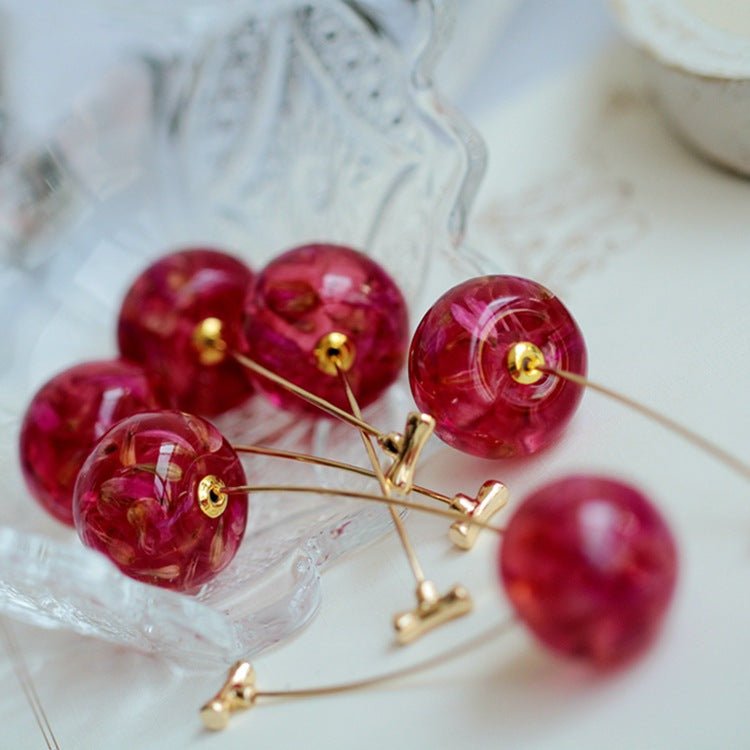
(649, 251)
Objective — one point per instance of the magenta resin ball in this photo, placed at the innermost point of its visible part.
(590, 567)
(310, 292)
(66, 416)
(459, 372)
(181, 319)
(150, 497)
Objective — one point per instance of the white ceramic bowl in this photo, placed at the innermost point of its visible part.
(697, 55)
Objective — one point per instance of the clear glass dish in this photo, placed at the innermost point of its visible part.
(253, 130)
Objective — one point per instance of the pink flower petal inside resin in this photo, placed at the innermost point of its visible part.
(459, 374)
(309, 292)
(158, 321)
(136, 499)
(66, 416)
(590, 567)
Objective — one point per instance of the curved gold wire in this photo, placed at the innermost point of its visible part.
(444, 657)
(454, 515)
(723, 456)
(311, 398)
(403, 534)
(330, 463)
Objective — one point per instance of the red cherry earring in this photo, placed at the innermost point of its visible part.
(320, 299)
(459, 368)
(165, 497)
(64, 419)
(149, 496)
(500, 364)
(589, 566)
(135, 500)
(179, 320)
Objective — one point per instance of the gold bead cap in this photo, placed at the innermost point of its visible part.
(209, 342)
(524, 361)
(335, 352)
(212, 499)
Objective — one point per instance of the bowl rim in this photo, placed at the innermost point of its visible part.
(677, 39)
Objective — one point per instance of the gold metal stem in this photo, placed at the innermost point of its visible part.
(403, 535)
(729, 460)
(330, 463)
(311, 398)
(27, 685)
(454, 515)
(456, 652)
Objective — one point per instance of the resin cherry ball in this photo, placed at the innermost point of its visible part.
(150, 497)
(66, 417)
(181, 319)
(590, 567)
(318, 302)
(460, 366)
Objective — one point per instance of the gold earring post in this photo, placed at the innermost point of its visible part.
(476, 512)
(432, 609)
(384, 486)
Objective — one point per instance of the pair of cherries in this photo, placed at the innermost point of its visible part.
(575, 548)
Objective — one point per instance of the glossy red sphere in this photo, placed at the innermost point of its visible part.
(136, 499)
(458, 366)
(311, 291)
(590, 567)
(158, 321)
(66, 416)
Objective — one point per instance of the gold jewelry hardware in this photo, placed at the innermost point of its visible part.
(478, 509)
(212, 496)
(335, 353)
(524, 362)
(432, 610)
(403, 448)
(209, 341)
(406, 449)
(237, 693)
(492, 497)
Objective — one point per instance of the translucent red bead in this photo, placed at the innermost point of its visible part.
(590, 567)
(64, 419)
(158, 321)
(311, 291)
(136, 499)
(458, 368)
